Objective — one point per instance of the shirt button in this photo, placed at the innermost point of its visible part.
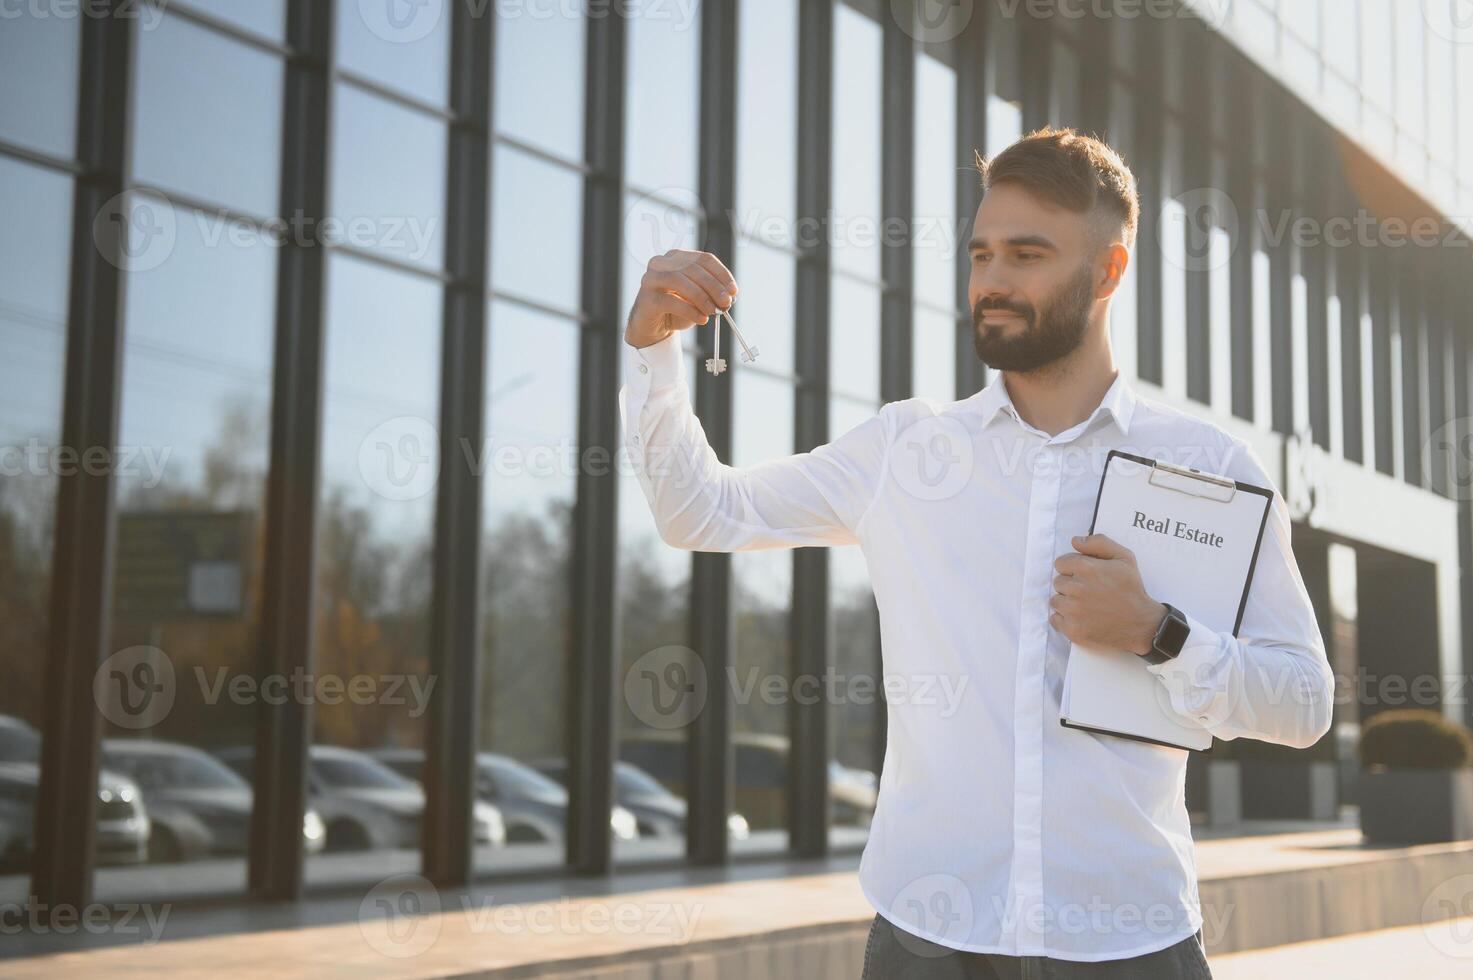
(636, 440)
(643, 369)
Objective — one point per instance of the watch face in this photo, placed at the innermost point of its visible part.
(1173, 633)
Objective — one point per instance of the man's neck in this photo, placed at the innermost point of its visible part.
(1060, 395)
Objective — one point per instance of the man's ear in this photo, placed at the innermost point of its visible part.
(1110, 269)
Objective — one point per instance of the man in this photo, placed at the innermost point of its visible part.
(1005, 844)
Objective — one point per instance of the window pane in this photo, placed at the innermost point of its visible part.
(34, 247)
(936, 227)
(661, 151)
(374, 539)
(195, 417)
(762, 600)
(854, 338)
(935, 355)
(542, 53)
(536, 225)
(388, 182)
(531, 472)
(1219, 261)
(267, 17)
(39, 58)
(767, 114)
(405, 46)
(856, 149)
(764, 307)
(854, 722)
(209, 117)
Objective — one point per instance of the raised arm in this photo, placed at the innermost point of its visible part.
(700, 503)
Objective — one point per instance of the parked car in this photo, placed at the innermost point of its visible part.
(364, 804)
(659, 812)
(534, 807)
(19, 742)
(761, 762)
(123, 824)
(199, 807)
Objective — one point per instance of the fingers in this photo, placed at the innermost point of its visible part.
(703, 269)
(676, 305)
(1066, 584)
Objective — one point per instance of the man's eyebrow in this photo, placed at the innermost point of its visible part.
(1020, 241)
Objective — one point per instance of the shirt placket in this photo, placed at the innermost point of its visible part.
(1029, 714)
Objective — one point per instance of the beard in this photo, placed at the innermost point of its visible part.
(1045, 336)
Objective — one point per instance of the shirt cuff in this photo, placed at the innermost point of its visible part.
(1192, 669)
(656, 367)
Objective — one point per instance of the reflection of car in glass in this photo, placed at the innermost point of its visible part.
(659, 812)
(534, 807)
(198, 806)
(19, 742)
(364, 804)
(122, 822)
(761, 775)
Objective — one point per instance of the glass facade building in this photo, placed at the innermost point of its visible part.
(319, 559)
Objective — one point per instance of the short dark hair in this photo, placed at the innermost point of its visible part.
(1069, 169)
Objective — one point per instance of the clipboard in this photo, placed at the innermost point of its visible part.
(1196, 538)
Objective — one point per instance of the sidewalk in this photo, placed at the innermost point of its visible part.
(1437, 951)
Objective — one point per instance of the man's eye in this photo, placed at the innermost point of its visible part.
(980, 257)
(1028, 256)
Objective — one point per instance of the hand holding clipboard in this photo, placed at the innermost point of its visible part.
(1195, 537)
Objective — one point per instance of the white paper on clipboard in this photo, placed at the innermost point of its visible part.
(1196, 538)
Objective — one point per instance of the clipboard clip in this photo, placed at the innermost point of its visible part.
(1186, 480)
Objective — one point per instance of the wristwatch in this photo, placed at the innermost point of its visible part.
(1170, 636)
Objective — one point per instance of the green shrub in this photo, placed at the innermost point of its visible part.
(1415, 738)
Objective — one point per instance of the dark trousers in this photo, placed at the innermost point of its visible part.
(894, 954)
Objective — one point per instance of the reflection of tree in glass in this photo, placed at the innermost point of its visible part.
(27, 523)
(525, 632)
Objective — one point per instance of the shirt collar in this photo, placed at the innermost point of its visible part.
(1119, 401)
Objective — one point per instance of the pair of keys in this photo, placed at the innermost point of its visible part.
(717, 364)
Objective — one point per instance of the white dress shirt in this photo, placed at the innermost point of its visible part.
(998, 829)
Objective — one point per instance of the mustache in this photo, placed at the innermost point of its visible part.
(1024, 310)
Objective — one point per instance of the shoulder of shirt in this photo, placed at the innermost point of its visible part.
(1227, 450)
(908, 411)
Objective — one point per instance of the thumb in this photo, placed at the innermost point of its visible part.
(1100, 546)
